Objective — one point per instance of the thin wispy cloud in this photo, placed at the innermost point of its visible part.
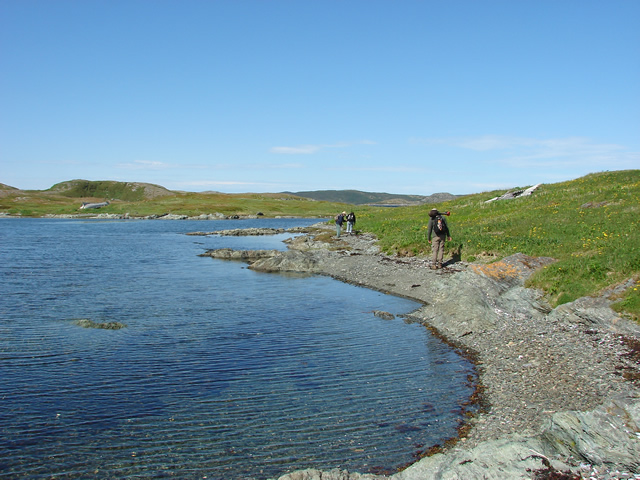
(498, 142)
(144, 165)
(300, 150)
(394, 169)
(278, 166)
(155, 165)
(254, 166)
(216, 183)
(533, 152)
(311, 149)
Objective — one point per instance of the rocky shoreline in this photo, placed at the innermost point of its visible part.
(559, 388)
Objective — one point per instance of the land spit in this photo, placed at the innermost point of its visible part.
(558, 389)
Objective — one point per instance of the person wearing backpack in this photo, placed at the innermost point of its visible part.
(439, 228)
(339, 222)
(351, 221)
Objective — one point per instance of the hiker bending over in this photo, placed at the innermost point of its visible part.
(438, 226)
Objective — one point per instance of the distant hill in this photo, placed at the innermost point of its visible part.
(356, 197)
(126, 191)
(137, 191)
(7, 187)
(7, 190)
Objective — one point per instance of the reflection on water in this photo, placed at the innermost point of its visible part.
(221, 371)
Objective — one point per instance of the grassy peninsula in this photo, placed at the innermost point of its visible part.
(590, 225)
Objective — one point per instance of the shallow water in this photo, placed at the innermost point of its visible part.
(221, 372)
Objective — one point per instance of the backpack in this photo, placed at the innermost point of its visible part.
(439, 226)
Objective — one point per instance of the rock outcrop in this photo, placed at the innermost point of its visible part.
(516, 194)
(249, 256)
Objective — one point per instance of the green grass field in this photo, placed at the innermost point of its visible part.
(591, 226)
(40, 203)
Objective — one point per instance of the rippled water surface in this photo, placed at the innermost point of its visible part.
(221, 372)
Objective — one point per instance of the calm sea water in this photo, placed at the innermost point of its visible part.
(221, 372)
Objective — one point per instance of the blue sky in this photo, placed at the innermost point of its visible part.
(398, 96)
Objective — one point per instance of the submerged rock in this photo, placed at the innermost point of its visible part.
(86, 323)
(384, 315)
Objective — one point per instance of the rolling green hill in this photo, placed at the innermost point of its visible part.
(109, 190)
(590, 225)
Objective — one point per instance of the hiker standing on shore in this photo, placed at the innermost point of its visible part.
(437, 226)
(339, 222)
(351, 221)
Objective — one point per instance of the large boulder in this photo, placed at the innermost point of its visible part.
(290, 261)
(608, 435)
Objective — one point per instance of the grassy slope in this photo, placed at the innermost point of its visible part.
(590, 225)
(229, 204)
(40, 203)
